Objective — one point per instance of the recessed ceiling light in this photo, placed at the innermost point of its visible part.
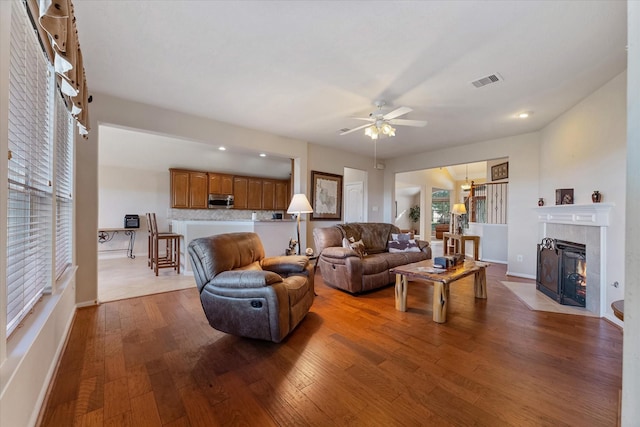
(263, 155)
(524, 114)
(221, 148)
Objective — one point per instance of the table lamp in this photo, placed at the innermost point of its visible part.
(299, 205)
(458, 210)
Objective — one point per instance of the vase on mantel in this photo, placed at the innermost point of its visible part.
(540, 201)
(596, 197)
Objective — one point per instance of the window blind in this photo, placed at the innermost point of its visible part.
(30, 199)
(63, 186)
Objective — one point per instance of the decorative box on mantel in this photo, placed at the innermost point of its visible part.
(596, 214)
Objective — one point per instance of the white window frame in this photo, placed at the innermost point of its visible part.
(36, 251)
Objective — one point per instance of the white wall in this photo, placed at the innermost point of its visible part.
(523, 154)
(404, 203)
(427, 180)
(631, 350)
(585, 149)
(330, 160)
(134, 115)
(132, 191)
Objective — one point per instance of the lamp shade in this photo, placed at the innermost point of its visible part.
(299, 204)
(459, 209)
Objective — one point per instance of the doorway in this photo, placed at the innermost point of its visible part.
(355, 181)
(440, 209)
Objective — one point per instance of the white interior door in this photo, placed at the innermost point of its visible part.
(354, 202)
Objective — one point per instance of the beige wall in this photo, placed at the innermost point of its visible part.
(128, 114)
(523, 154)
(331, 160)
(585, 149)
(631, 351)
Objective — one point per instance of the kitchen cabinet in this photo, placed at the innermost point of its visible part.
(268, 194)
(282, 195)
(179, 189)
(189, 189)
(198, 190)
(240, 192)
(254, 193)
(220, 183)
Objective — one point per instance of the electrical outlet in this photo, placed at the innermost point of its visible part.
(519, 258)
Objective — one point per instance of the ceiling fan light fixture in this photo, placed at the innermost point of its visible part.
(372, 131)
(376, 129)
(388, 130)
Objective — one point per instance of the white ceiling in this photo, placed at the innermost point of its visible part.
(139, 150)
(405, 182)
(302, 69)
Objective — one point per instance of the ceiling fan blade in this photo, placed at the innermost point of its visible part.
(404, 122)
(397, 113)
(369, 119)
(355, 129)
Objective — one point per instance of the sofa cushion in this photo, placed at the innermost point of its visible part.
(373, 264)
(356, 246)
(374, 235)
(402, 237)
(403, 246)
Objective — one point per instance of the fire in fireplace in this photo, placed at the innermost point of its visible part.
(562, 271)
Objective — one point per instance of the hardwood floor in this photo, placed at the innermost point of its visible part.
(154, 361)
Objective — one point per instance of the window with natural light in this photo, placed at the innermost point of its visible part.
(40, 174)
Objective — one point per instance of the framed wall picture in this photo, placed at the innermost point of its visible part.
(326, 196)
(564, 196)
(500, 171)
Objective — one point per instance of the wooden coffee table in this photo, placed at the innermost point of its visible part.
(424, 270)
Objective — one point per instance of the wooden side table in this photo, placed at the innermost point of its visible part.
(618, 309)
(459, 243)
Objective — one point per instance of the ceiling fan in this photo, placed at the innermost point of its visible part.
(381, 124)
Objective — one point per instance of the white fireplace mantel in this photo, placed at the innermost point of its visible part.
(596, 214)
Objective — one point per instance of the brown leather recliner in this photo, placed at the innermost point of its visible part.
(243, 293)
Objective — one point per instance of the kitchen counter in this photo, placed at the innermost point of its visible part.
(274, 234)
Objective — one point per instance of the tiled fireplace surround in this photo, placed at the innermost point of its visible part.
(585, 224)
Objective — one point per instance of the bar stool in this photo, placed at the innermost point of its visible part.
(171, 243)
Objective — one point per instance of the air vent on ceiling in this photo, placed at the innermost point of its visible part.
(493, 78)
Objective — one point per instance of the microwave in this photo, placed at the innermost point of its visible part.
(220, 201)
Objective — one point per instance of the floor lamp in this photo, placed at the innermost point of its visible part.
(299, 205)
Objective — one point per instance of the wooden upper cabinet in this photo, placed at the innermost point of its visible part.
(282, 196)
(189, 189)
(254, 193)
(179, 189)
(268, 194)
(198, 190)
(220, 183)
(240, 192)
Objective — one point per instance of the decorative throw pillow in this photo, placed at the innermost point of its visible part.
(402, 237)
(357, 247)
(409, 245)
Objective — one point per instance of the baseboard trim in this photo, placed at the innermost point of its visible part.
(524, 276)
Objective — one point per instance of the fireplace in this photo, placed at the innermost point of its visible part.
(562, 271)
(586, 224)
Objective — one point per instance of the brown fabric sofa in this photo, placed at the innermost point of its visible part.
(343, 268)
(243, 293)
